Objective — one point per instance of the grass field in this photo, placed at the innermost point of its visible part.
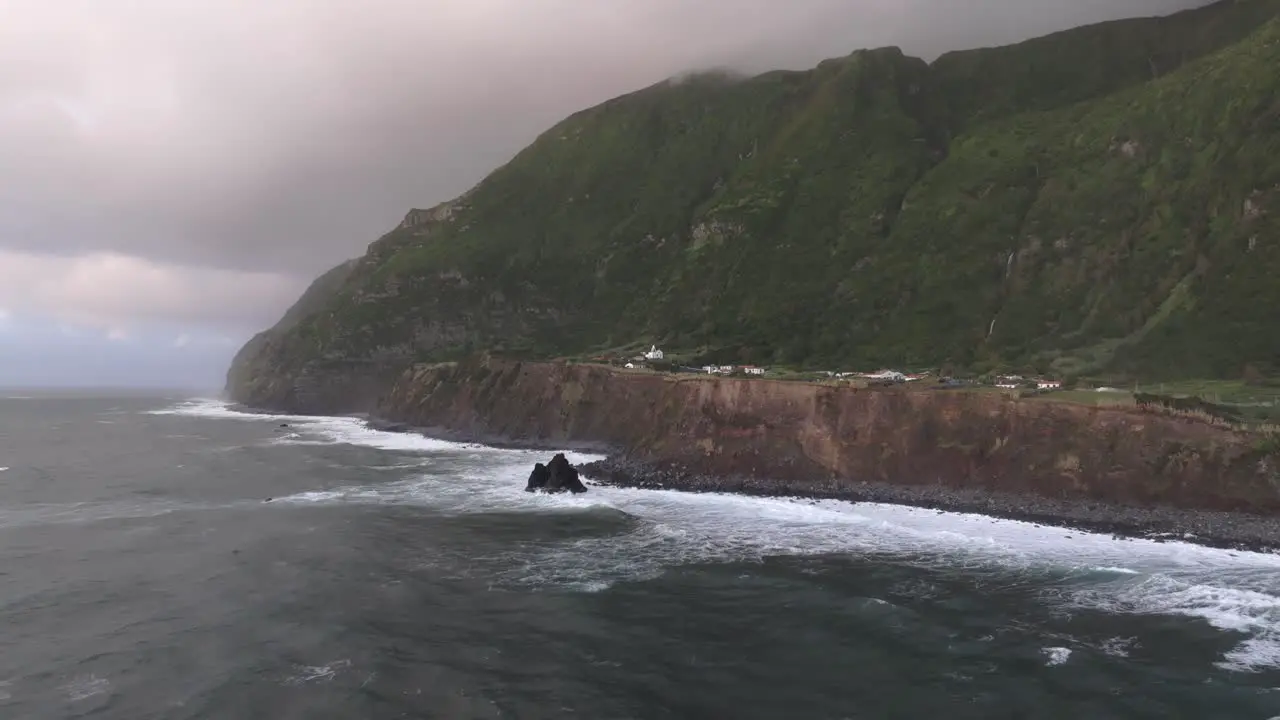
(1226, 392)
(1089, 397)
(1258, 404)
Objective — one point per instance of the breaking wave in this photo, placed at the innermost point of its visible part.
(1056, 655)
(656, 530)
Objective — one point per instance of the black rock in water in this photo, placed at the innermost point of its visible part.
(555, 477)
(563, 476)
(538, 478)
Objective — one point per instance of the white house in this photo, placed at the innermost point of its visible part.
(1006, 384)
(653, 354)
(1049, 384)
(885, 375)
(753, 370)
(718, 369)
(631, 366)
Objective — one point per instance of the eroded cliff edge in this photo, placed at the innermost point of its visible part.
(818, 439)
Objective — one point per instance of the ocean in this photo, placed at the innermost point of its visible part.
(145, 574)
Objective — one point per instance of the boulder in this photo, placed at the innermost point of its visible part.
(563, 476)
(538, 478)
(555, 477)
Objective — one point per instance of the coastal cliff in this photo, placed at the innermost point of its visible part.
(821, 440)
(1101, 202)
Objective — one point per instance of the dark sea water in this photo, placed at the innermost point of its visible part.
(142, 576)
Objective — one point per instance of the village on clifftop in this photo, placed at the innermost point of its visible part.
(656, 359)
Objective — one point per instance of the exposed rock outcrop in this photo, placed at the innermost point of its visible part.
(555, 477)
(563, 476)
(537, 478)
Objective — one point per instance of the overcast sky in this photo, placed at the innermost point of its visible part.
(174, 172)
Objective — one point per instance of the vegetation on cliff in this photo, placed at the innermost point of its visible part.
(1101, 199)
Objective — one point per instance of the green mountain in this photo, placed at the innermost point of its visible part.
(1102, 199)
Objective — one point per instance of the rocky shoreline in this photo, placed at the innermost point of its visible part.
(1226, 530)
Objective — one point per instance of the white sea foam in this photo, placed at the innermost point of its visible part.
(317, 673)
(1056, 655)
(1116, 570)
(1239, 604)
(86, 687)
(4, 469)
(1118, 646)
(320, 430)
(204, 407)
(1235, 591)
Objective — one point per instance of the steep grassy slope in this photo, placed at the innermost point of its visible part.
(872, 210)
(1089, 62)
(1137, 231)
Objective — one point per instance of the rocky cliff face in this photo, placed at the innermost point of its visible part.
(286, 369)
(809, 435)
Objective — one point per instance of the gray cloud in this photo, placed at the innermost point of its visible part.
(116, 293)
(238, 147)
